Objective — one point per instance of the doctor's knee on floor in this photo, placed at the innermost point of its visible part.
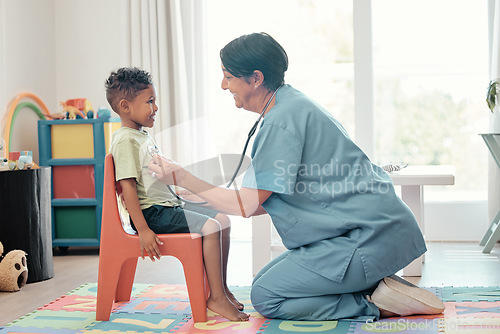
(264, 301)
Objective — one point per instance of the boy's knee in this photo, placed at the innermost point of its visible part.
(223, 220)
(211, 226)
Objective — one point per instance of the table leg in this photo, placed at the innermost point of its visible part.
(261, 242)
(413, 196)
(492, 235)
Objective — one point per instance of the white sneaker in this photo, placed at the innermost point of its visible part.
(399, 296)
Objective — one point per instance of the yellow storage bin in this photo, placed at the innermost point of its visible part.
(70, 141)
(109, 128)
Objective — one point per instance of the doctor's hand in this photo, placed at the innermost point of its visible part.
(166, 170)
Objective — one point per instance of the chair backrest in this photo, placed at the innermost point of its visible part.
(112, 221)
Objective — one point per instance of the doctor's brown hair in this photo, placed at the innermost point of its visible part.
(257, 51)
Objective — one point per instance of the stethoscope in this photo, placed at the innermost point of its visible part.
(153, 149)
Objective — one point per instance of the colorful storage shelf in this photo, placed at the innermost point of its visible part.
(75, 149)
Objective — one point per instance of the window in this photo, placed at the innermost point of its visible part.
(318, 38)
(430, 79)
(430, 61)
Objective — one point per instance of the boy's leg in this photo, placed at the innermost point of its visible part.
(225, 227)
(225, 224)
(212, 256)
(177, 220)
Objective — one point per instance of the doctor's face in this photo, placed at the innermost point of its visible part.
(241, 89)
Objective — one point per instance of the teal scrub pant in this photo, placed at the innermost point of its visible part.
(285, 290)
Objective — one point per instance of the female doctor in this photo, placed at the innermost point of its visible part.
(345, 229)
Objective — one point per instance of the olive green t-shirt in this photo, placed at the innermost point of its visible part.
(129, 148)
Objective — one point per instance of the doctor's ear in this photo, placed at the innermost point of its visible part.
(258, 78)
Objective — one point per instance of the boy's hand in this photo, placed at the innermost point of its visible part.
(149, 244)
(148, 240)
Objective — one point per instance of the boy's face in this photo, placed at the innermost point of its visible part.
(141, 111)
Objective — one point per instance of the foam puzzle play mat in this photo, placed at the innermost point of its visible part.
(165, 309)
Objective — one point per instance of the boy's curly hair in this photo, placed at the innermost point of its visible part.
(126, 83)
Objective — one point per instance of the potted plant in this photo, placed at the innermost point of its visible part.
(491, 95)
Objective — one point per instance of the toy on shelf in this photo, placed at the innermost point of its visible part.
(12, 161)
(13, 270)
(15, 107)
(103, 112)
(73, 108)
(72, 112)
(20, 160)
(77, 108)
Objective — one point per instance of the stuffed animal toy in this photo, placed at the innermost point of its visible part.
(13, 270)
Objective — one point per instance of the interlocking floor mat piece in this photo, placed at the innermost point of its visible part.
(165, 309)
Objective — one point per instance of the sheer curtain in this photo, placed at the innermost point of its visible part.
(166, 39)
(493, 170)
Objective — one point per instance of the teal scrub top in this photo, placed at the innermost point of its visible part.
(329, 201)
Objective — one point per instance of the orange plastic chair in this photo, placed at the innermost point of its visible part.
(119, 252)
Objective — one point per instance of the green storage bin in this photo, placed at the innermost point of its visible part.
(75, 222)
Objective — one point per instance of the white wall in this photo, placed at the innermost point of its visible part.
(90, 41)
(27, 62)
(58, 50)
(456, 220)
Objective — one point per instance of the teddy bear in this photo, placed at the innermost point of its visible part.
(13, 270)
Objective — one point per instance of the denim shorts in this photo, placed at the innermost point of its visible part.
(165, 219)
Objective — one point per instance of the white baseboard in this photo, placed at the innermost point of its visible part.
(456, 221)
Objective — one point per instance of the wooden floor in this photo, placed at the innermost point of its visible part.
(447, 264)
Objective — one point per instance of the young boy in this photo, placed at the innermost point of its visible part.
(152, 209)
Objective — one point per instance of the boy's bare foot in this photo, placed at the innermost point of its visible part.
(233, 300)
(225, 308)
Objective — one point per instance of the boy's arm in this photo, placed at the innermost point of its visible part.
(148, 239)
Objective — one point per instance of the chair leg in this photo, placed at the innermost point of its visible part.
(109, 272)
(195, 282)
(126, 280)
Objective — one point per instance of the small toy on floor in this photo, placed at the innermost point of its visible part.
(13, 270)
